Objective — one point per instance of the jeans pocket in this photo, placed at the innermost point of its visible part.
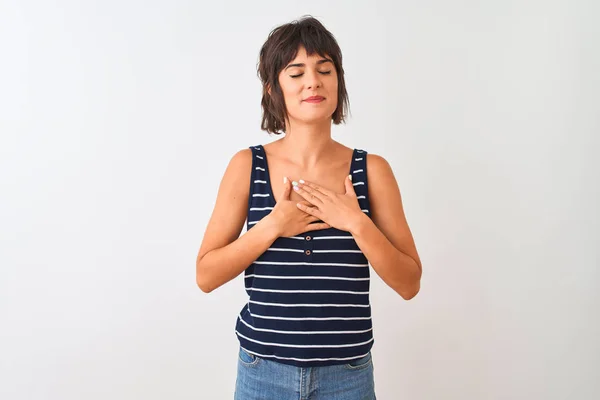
(359, 363)
(246, 358)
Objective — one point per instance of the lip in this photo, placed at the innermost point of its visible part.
(314, 99)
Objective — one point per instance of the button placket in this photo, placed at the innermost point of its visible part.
(308, 247)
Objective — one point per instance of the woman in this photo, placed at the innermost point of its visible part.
(316, 218)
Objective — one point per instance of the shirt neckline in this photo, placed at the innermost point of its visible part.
(268, 173)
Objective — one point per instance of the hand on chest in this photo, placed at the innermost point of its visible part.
(329, 182)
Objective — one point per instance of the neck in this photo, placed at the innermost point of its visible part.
(306, 144)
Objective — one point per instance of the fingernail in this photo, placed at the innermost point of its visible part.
(350, 176)
(285, 179)
(296, 188)
(301, 181)
(294, 183)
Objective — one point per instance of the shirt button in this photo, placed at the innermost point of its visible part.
(308, 238)
(307, 252)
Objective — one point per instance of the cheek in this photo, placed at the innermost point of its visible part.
(334, 84)
(292, 94)
(288, 88)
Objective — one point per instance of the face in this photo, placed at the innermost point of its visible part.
(305, 77)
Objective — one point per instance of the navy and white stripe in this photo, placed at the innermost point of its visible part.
(308, 294)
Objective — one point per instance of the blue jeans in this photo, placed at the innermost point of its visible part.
(261, 378)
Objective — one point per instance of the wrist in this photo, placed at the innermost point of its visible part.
(358, 223)
(271, 226)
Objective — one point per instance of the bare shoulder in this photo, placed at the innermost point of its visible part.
(236, 178)
(235, 183)
(242, 159)
(379, 170)
(230, 208)
(387, 210)
(384, 193)
(376, 160)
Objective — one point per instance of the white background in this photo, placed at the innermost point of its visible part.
(117, 119)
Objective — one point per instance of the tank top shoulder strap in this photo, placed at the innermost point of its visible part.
(258, 160)
(259, 198)
(359, 179)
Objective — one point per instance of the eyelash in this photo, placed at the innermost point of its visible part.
(324, 73)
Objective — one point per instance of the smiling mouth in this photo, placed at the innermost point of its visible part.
(315, 100)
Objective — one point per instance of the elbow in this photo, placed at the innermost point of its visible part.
(409, 294)
(202, 281)
(409, 291)
(204, 286)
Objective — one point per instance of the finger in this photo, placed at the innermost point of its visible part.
(305, 203)
(286, 188)
(349, 186)
(312, 218)
(318, 226)
(313, 197)
(316, 193)
(320, 189)
(314, 211)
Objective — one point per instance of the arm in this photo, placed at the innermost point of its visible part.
(224, 254)
(386, 239)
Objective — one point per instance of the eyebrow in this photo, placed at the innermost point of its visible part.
(321, 61)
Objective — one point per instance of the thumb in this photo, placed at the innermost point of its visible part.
(349, 185)
(286, 188)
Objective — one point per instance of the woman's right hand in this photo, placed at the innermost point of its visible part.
(290, 220)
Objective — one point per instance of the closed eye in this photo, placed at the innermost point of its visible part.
(323, 73)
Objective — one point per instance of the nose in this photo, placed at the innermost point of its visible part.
(313, 79)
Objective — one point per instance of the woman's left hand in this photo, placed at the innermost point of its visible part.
(341, 211)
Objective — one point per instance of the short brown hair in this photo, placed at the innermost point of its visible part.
(280, 48)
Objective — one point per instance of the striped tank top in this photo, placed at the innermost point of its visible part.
(308, 294)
